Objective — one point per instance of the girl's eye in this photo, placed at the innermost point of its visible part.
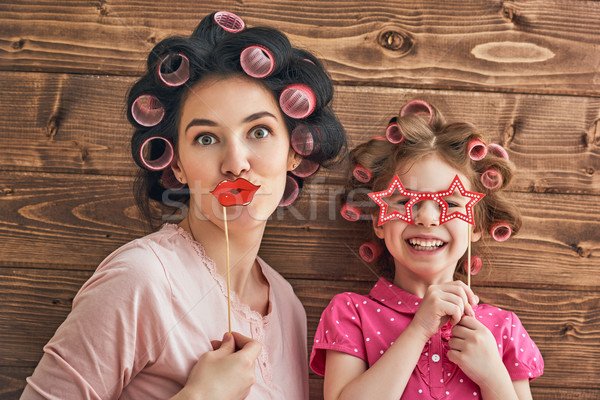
(206, 139)
(260, 133)
(452, 204)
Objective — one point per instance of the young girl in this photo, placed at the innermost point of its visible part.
(423, 334)
(229, 117)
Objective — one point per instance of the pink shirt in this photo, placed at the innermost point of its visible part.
(141, 322)
(366, 326)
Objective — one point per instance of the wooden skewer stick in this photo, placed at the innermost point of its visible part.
(228, 280)
(469, 258)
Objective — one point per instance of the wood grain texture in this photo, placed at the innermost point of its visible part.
(43, 217)
(34, 302)
(72, 123)
(542, 46)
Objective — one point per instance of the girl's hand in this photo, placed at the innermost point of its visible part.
(223, 373)
(474, 349)
(448, 301)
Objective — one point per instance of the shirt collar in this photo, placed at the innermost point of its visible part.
(394, 297)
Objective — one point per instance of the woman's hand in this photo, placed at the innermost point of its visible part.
(223, 373)
(474, 349)
(443, 303)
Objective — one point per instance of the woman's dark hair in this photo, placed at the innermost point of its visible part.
(214, 52)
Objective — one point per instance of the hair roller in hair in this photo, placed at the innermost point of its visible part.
(306, 168)
(417, 107)
(303, 142)
(350, 213)
(290, 193)
(229, 21)
(393, 133)
(370, 251)
(169, 181)
(297, 101)
(163, 160)
(174, 69)
(257, 61)
(362, 174)
(476, 265)
(498, 151)
(477, 150)
(491, 179)
(147, 111)
(501, 231)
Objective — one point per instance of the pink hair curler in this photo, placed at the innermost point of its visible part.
(476, 265)
(257, 61)
(161, 162)
(417, 107)
(370, 251)
(297, 101)
(229, 21)
(291, 192)
(169, 181)
(498, 151)
(350, 213)
(178, 76)
(501, 231)
(303, 142)
(491, 179)
(362, 174)
(306, 168)
(147, 111)
(393, 133)
(477, 150)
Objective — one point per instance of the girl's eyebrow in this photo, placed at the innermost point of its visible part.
(208, 122)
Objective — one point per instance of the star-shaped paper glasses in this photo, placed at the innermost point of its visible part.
(415, 197)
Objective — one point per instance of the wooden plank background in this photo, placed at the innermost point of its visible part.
(526, 72)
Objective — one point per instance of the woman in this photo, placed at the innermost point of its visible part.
(228, 123)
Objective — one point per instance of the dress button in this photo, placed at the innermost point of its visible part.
(435, 357)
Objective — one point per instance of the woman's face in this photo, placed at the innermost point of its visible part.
(232, 128)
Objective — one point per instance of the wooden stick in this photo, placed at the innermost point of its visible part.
(469, 258)
(228, 280)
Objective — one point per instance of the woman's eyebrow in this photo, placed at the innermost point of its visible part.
(200, 122)
(258, 115)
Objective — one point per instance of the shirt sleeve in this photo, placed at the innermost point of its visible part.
(116, 326)
(521, 356)
(339, 329)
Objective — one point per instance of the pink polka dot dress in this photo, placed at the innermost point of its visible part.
(366, 326)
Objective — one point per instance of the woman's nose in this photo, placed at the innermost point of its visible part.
(426, 213)
(235, 158)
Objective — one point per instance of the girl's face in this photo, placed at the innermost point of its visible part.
(232, 128)
(426, 252)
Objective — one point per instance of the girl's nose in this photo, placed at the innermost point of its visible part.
(426, 213)
(235, 158)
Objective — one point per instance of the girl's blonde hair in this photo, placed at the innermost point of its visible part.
(422, 137)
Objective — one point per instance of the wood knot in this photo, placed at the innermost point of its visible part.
(6, 191)
(583, 253)
(590, 171)
(397, 41)
(52, 127)
(103, 8)
(19, 44)
(509, 134)
(592, 136)
(567, 330)
(152, 40)
(510, 12)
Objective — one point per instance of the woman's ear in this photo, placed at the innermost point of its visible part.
(294, 160)
(177, 169)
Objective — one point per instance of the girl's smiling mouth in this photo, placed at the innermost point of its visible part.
(425, 244)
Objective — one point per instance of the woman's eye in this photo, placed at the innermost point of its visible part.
(452, 204)
(260, 132)
(206, 140)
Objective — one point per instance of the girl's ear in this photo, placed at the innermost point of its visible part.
(475, 235)
(377, 229)
(294, 159)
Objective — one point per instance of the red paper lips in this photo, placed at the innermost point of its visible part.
(235, 193)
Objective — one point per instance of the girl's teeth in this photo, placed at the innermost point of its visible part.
(424, 244)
